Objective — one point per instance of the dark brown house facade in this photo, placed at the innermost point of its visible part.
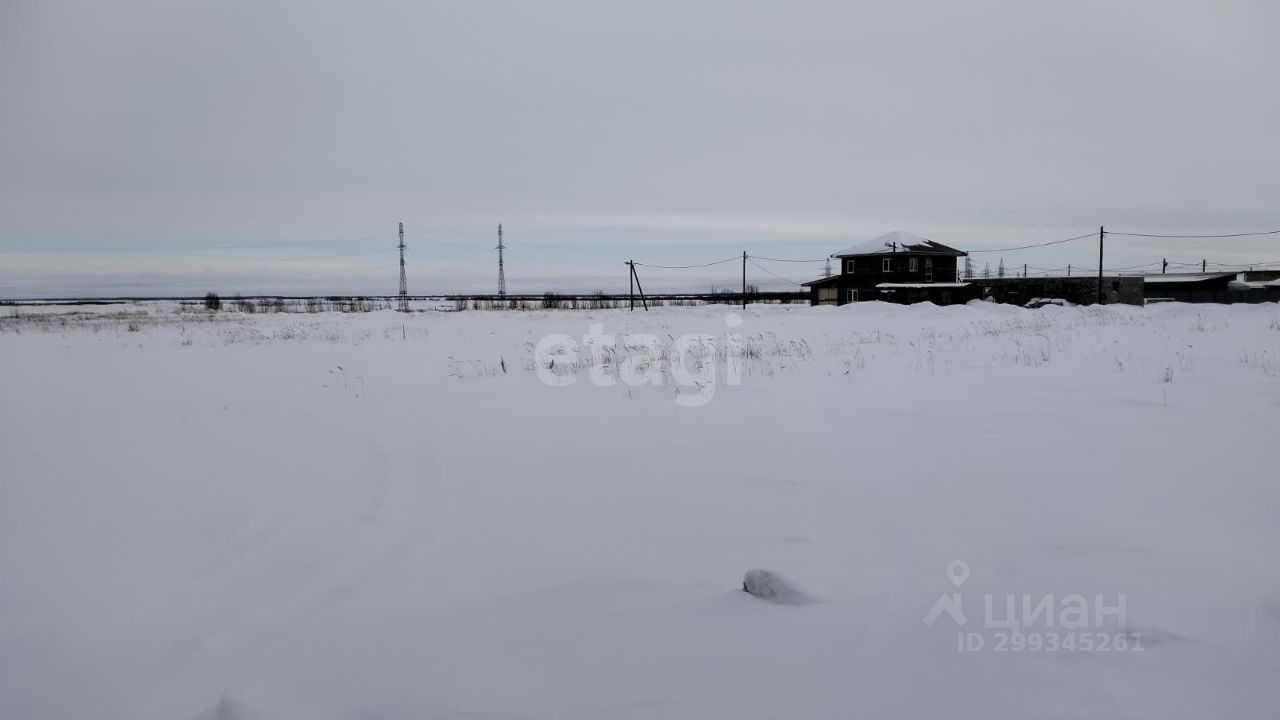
(895, 267)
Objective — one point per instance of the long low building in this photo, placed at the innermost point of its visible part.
(1080, 290)
(1228, 287)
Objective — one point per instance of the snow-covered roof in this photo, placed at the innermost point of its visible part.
(824, 280)
(901, 240)
(1184, 277)
(1242, 285)
(900, 286)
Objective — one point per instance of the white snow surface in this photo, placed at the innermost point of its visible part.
(389, 516)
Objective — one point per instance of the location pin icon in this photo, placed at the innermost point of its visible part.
(958, 572)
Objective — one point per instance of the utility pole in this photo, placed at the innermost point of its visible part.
(1164, 265)
(1068, 269)
(744, 279)
(631, 278)
(1102, 232)
(1024, 270)
(1203, 263)
(502, 276)
(636, 279)
(404, 283)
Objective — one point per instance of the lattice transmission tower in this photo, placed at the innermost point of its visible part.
(404, 283)
(502, 274)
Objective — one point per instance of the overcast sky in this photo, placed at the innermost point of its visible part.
(240, 145)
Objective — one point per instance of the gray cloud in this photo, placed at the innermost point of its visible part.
(131, 125)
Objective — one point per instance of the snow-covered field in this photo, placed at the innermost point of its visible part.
(379, 516)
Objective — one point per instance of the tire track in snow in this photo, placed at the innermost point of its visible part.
(413, 496)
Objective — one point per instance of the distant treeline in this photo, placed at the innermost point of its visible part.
(598, 300)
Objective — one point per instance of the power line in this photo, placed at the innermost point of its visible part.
(1133, 267)
(1226, 235)
(687, 267)
(767, 270)
(757, 257)
(754, 258)
(1024, 247)
(1266, 262)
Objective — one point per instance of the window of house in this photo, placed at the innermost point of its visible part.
(913, 265)
(848, 266)
(886, 265)
(928, 269)
(851, 295)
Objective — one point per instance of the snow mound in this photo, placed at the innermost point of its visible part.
(768, 585)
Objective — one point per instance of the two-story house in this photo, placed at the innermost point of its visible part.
(895, 267)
